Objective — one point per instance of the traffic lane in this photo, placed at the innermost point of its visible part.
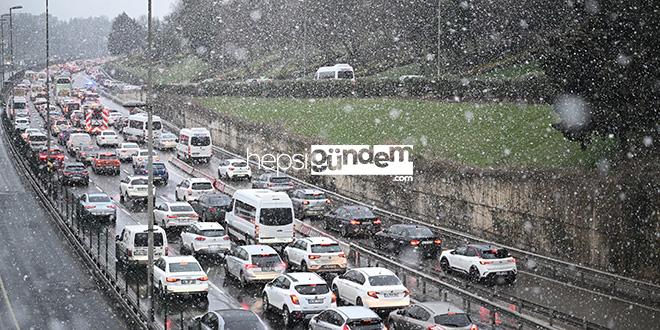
(44, 285)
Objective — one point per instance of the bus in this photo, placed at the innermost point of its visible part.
(63, 86)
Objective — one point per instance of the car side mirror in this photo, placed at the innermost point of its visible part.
(452, 252)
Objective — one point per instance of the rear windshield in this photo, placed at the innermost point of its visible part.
(168, 137)
(361, 213)
(312, 289)
(38, 138)
(315, 196)
(244, 325)
(219, 201)
(202, 186)
(495, 254)
(19, 105)
(239, 164)
(280, 179)
(100, 199)
(419, 232)
(345, 75)
(141, 239)
(181, 208)
(266, 260)
(130, 146)
(200, 141)
(75, 168)
(140, 182)
(326, 248)
(182, 267)
(453, 320)
(213, 232)
(365, 324)
(107, 156)
(108, 133)
(276, 216)
(383, 280)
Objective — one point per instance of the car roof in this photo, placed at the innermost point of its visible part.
(142, 228)
(258, 249)
(234, 160)
(208, 225)
(179, 259)
(235, 314)
(305, 278)
(356, 312)
(310, 191)
(194, 180)
(441, 307)
(484, 247)
(374, 271)
(176, 203)
(319, 240)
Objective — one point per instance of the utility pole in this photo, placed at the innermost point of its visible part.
(437, 55)
(47, 88)
(11, 35)
(150, 167)
(2, 48)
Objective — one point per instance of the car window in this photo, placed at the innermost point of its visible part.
(418, 313)
(453, 320)
(335, 319)
(267, 260)
(276, 216)
(181, 208)
(210, 320)
(359, 278)
(312, 289)
(139, 182)
(384, 280)
(213, 232)
(471, 252)
(360, 213)
(182, 267)
(326, 248)
(141, 239)
(494, 254)
(365, 324)
(461, 250)
(202, 186)
(99, 199)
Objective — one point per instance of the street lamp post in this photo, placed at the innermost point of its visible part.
(11, 35)
(47, 86)
(2, 48)
(150, 165)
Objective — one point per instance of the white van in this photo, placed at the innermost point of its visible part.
(136, 129)
(76, 141)
(21, 123)
(132, 244)
(260, 216)
(19, 106)
(337, 71)
(194, 144)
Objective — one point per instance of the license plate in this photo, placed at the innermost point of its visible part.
(187, 281)
(390, 295)
(315, 301)
(426, 243)
(502, 273)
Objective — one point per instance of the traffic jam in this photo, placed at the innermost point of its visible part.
(233, 259)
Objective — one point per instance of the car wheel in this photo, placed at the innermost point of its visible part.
(444, 265)
(241, 280)
(358, 301)
(266, 304)
(303, 267)
(176, 195)
(121, 198)
(219, 175)
(392, 325)
(335, 290)
(344, 231)
(287, 320)
(182, 249)
(287, 262)
(474, 274)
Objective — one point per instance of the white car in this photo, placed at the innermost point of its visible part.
(205, 237)
(253, 263)
(142, 155)
(107, 138)
(481, 262)
(347, 317)
(113, 116)
(133, 188)
(231, 169)
(21, 123)
(180, 275)
(165, 141)
(374, 287)
(168, 215)
(126, 151)
(190, 189)
(297, 296)
(315, 254)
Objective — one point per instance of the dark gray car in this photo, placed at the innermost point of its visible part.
(309, 202)
(426, 315)
(274, 182)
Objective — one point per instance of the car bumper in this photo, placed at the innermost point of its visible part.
(387, 304)
(327, 268)
(216, 249)
(109, 213)
(75, 178)
(187, 288)
(262, 277)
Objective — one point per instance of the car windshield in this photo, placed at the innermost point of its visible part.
(384, 280)
(276, 216)
(74, 168)
(99, 199)
(326, 248)
(202, 186)
(280, 179)
(183, 267)
(200, 141)
(38, 138)
(181, 208)
(453, 320)
(141, 239)
(213, 232)
(268, 260)
(312, 289)
(361, 213)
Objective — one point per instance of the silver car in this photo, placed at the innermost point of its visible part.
(430, 314)
(96, 206)
(309, 202)
(274, 182)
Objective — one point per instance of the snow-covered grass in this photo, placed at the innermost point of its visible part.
(181, 70)
(500, 135)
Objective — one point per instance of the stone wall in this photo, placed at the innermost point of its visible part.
(576, 216)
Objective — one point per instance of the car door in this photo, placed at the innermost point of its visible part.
(358, 287)
(122, 185)
(209, 322)
(300, 252)
(471, 257)
(321, 322)
(347, 286)
(416, 317)
(455, 257)
(187, 235)
(159, 271)
(159, 213)
(282, 292)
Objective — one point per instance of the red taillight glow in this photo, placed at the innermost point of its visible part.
(282, 264)
(249, 266)
(200, 238)
(341, 255)
(231, 168)
(171, 279)
(485, 262)
(354, 222)
(437, 241)
(406, 293)
(203, 278)
(314, 256)
(305, 202)
(90, 206)
(414, 242)
(295, 300)
(226, 238)
(211, 209)
(112, 206)
(334, 298)
(377, 221)
(172, 217)
(327, 201)
(372, 294)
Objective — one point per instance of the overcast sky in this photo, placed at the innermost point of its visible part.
(66, 9)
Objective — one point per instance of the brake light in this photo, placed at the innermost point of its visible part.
(90, 206)
(204, 278)
(474, 327)
(327, 201)
(354, 222)
(282, 264)
(314, 256)
(211, 209)
(270, 184)
(437, 241)
(341, 255)
(372, 294)
(249, 266)
(334, 298)
(112, 206)
(42, 157)
(435, 327)
(377, 221)
(485, 262)
(171, 279)
(414, 242)
(295, 300)
(231, 168)
(200, 238)
(226, 238)
(172, 217)
(129, 253)
(305, 202)
(256, 231)
(190, 192)
(406, 293)
(511, 260)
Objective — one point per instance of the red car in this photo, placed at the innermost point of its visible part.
(106, 162)
(55, 155)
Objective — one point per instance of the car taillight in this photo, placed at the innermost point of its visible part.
(414, 242)
(294, 299)
(485, 262)
(305, 202)
(314, 256)
(474, 327)
(406, 293)
(42, 157)
(231, 168)
(112, 206)
(172, 217)
(211, 209)
(171, 279)
(249, 266)
(327, 201)
(354, 222)
(226, 238)
(203, 278)
(90, 206)
(512, 260)
(282, 264)
(270, 184)
(345, 327)
(377, 221)
(190, 192)
(341, 255)
(435, 327)
(372, 294)
(200, 238)
(437, 241)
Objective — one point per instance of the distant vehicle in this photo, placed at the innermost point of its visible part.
(37, 140)
(87, 153)
(63, 86)
(96, 119)
(69, 106)
(77, 141)
(212, 207)
(113, 116)
(260, 216)
(309, 203)
(191, 189)
(107, 138)
(194, 144)
(177, 214)
(352, 220)
(21, 123)
(95, 206)
(54, 154)
(161, 175)
(18, 106)
(131, 245)
(165, 141)
(30, 75)
(136, 130)
(127, 150)
(228, 319)
(142, 156)
(347, 317)
(73, 173)
(180, 275)
(481, 262)
(431, 315)
(231, 169)
(274, 182)
(402, 237)
(296, 297)
(316, 254)
(28, 131)
(253, 263)
(207, 238)
(133, 188)
(337, 71)
(106, 162)
(375, 287)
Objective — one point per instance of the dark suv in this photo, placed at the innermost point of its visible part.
(160, 171)
(72, 173)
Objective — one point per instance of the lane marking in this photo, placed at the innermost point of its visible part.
(8, 303)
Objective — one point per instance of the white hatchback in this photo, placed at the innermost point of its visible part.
(127, 150)
(168, 215)
(231, 169)
(190, 189)
(316, 254)
(297, 296)
(374, 287)
(107, 138)
(180, 275)
(253, 263)
(205, 237)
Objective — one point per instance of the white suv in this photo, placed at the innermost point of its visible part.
(190, 189)
(133, 187)
(205, 237)
(374, 287)
(234, 168)
(298, 296)
(481, 262)
(253, 263)
(131, 244)
(107, 138)
(176, 214)
(316, 254)
(180, 275)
